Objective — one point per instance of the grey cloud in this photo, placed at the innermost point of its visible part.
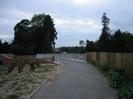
(119, 11)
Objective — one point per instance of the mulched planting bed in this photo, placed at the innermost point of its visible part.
(20, 85)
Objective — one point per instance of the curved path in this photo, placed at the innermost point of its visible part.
(76, 80)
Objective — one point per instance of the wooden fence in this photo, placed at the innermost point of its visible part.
(114, 60)
(13, 61)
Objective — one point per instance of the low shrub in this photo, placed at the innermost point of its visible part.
(93, 62)
(11, 96)
(1, 82)
(116, 78)
(126, 92)
(104, 67)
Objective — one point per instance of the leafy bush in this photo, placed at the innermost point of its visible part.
(126, 92)
(1, 82)
(93, 63)
(21, 50)
(116, 78)
(104, 67)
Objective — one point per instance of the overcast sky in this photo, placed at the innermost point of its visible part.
(74, 20)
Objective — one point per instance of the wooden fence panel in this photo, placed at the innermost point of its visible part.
(118, 60)
(114, 60)
(97, 57)
(94, 56)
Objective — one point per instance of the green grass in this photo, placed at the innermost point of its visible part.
(11, 96)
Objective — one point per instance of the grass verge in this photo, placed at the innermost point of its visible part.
(118, 79)
(19, 85)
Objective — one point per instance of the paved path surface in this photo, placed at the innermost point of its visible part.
(76, 80)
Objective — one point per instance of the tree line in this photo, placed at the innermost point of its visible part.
(37, 35)
(108, 41)
(72, 49)
(4, 47)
